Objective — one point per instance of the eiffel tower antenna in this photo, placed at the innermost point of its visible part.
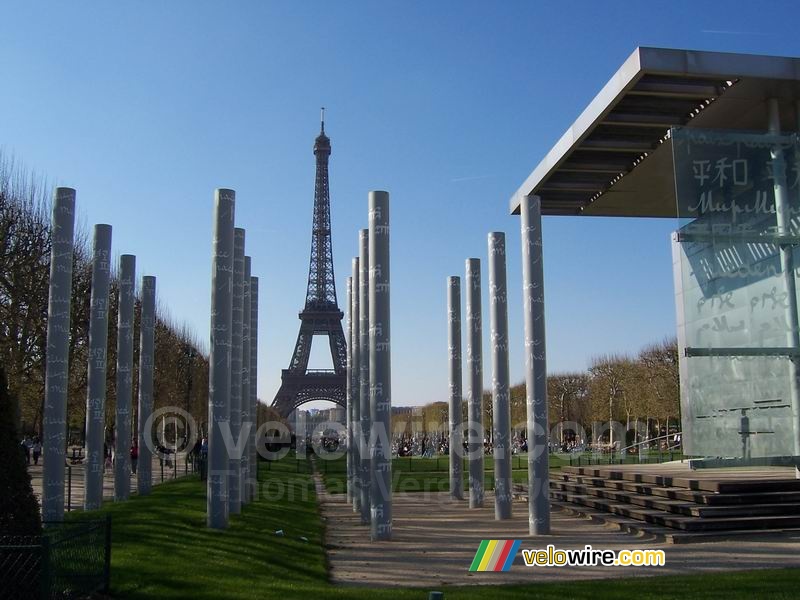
(321, 314)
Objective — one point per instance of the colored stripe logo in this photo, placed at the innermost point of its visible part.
(495, 555)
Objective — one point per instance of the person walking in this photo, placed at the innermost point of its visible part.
(106, 457)
(37, 450)
(203, 459)
(26, 448)
(134, 457)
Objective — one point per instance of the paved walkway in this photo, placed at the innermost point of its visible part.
(435, 539)
(73, 492)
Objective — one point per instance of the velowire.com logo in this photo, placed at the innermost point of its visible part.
(498, 556)
(495, 555)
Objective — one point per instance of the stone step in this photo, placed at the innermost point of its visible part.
(727, 486)
(677, 493)
(680, 507)
(687, 523)
(673, 536)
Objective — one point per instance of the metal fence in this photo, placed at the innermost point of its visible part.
(22, 558)
(71, 559)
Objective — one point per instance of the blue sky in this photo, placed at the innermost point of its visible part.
(146, 107)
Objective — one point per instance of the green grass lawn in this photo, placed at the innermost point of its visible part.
(416, 474)
(426, 474)
(161, 549)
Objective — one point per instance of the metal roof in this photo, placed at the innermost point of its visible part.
(616, 159)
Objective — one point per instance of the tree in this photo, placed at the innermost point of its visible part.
(19, 510)
(568, 394)
(25, 245)
(660, 362)
(607, 387)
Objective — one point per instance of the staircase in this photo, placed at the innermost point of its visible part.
(679, 505)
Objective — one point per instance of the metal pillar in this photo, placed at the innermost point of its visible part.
(349, 392)
(356, 386)
(456, 431)
(57, 360)
(363, 368)
(535, 367)
(96, 376)
(474, 381)
(122, 442)
(380, 366)
(246, 417)
(501, 409)
(783, 213)
(253, 385)
(219, 376)
(144, 475)
(237, 308)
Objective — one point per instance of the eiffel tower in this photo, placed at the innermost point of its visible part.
(321, 314)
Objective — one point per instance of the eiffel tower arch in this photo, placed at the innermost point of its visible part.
(321, 314)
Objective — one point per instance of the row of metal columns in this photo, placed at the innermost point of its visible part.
(535, 375)
(57, 366)
(369, 474)
(232, 410)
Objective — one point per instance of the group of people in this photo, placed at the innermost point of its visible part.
(429, 445)
(32, 448)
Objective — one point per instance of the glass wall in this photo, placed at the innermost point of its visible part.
(736, 255)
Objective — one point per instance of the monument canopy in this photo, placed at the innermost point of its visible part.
(617, 158)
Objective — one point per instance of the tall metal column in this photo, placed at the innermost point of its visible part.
(122, 442)
(380, 365)
(355, 386)
(219, 376)
(364, 368)
(144, 475)
(360, 354)
(535, 367)
(253, 385)
(501, 409)
(349, 391)
(57, 365)
(783, 213)
(246, 417)
(456, 431)
(96, 376)
(474, 381)
(235, 475)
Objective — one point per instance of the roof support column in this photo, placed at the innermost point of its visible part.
(783, 216)
(535, 366)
